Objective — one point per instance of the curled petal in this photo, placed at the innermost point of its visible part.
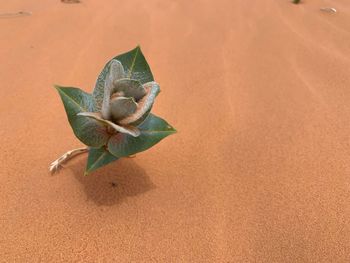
(130, 88)
(116, 71)
(145, 104)
(133, 131)
(122, 107)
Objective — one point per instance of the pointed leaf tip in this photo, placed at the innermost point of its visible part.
(98, 157)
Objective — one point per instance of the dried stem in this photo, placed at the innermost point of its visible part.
(56, 165)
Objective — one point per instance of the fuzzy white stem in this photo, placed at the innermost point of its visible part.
(56, 165)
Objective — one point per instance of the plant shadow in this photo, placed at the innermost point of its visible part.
(113, 183)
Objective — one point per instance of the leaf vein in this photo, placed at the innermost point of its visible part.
(74, 101)
(97, 160)
(133, 63)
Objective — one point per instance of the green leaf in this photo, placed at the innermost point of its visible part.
(153, 130)
(89, 131)
(98, 157)
(135, 66)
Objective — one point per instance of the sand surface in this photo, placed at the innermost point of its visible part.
(259, 171)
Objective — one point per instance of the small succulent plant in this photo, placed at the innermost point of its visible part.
(115, 120)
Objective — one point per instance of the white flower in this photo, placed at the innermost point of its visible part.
(126, 102)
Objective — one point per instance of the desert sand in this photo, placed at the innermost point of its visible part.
(259, 170)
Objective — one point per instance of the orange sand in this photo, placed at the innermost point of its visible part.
(259, 171)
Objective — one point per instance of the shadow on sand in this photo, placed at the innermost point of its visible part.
(113, 183)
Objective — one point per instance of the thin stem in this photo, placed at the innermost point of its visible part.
(56, 165)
